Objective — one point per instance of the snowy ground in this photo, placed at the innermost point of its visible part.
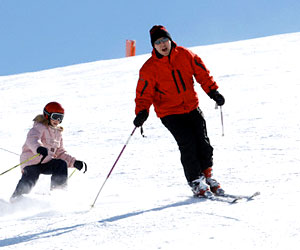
(146, 203)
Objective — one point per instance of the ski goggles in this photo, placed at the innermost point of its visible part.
(162, 40)
(57, 116)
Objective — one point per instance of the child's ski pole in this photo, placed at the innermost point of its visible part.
(29, 159)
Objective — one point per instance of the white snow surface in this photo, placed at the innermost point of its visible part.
(146, 202)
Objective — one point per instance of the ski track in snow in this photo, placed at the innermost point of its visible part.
(146, 203)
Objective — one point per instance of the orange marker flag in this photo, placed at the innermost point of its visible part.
(130, 48)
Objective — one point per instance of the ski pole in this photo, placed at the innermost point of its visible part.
(222, 122)
(9, 151)
(29, 159)
(113, 166)
(221, 113)
(72, 173)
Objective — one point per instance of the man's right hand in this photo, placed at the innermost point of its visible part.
(140, 118)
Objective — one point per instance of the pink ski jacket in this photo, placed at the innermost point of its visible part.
(42, 134)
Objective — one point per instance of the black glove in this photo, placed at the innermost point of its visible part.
(42, 151)
(79, 165)
(140, 118)
(217, 97)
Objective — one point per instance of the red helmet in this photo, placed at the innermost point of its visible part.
(53, 107)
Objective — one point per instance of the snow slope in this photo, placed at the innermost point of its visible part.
(146, 203)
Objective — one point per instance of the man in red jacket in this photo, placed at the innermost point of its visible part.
(166, 80)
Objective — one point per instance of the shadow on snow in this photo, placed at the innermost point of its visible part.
(63, 230)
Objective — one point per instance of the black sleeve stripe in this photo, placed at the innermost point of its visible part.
(200, 65)
(143, 90)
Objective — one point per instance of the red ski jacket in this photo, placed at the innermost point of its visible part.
(168, 82)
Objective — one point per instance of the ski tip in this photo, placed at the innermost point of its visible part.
(234, 201)
(255, 194)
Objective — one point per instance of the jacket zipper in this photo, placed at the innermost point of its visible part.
(181, 80)
(174, 78)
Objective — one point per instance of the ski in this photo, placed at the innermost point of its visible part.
(230, 200)
(240, 197)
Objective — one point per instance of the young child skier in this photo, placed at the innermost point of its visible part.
(45, 139)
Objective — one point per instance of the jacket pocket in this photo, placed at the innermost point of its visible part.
(159, 95)
(159, 91)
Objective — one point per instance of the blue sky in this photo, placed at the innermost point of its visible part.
(43, 34)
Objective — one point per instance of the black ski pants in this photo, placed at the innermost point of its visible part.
(189, 131)
(56, 167)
